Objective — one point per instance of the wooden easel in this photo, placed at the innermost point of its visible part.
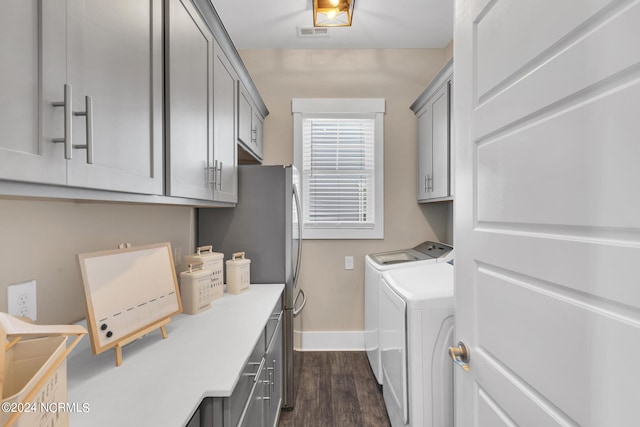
(18, 329)
(159, 324)
(117, 282)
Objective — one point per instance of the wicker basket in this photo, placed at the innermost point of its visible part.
(34, 376)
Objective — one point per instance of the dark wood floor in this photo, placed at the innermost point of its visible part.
(335, 389)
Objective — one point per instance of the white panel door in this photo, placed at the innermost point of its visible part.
(115, 57)
(547, 218)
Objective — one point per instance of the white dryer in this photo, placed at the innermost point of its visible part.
(375, 265)
(416, 328)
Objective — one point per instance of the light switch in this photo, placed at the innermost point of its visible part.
(348, 263)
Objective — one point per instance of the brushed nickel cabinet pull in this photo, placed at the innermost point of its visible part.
(212, 174)
(88, 114)
(67, 104)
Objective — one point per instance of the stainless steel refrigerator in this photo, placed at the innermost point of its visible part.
(266, 224)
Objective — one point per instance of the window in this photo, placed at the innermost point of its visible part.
(338, 149)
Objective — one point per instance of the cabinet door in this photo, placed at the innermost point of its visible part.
(253, 414)
(32, 77)
(440, 144)
(245, 116)
(274, 376)
(256, 133)
(424, 153)
(224, 137)
(115, 57)
(189, 62)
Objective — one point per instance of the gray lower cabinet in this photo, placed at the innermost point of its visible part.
(257, 397)
(274, 370)
(83, 99)
(433, 114)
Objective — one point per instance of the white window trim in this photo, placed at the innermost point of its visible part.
(299, 107)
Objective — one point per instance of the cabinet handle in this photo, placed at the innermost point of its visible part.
(429, 183)
(67, 104)
(268, 382)
(212, 174)
(425, 184)
(273, 382)
(220, 177)
(253, 390)
(255, 376)
(88, 114)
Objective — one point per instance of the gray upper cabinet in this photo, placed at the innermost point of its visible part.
(84, 86)
(115, 58)
(225, 156)
(433, 113)
(94, 119)
(250, 123)
(257, 126)
(189, 110)
(244, 116)
(32, 76)
(250, 110)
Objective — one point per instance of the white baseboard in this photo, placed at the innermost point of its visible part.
(329, 341)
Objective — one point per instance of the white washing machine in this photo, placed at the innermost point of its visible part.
(416, 329)
(375, 265)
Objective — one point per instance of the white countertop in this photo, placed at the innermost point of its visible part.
(162, 382)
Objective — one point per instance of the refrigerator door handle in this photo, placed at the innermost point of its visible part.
(297, 311)
(299, 254)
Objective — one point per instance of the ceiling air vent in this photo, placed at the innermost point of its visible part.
(312, 32)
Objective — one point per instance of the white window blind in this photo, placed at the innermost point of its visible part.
(339, 172)
(338, 148)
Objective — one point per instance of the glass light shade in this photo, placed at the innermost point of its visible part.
(332, 13)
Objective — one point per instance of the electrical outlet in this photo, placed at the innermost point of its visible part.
(22, 300)
(348, 263)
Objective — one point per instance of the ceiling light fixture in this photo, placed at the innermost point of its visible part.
(332, 13)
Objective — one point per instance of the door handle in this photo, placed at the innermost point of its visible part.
(460, 355)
